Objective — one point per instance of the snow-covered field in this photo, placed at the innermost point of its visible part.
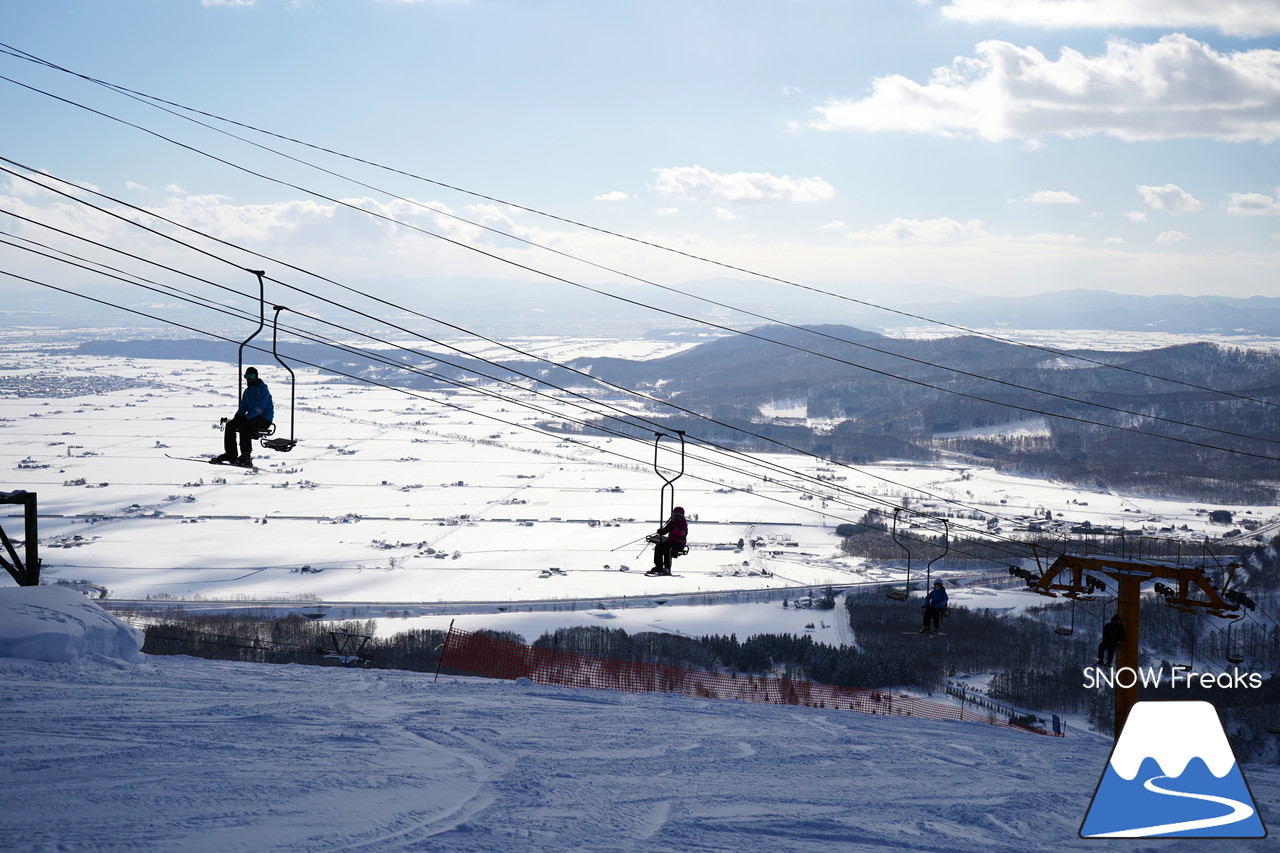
(106, 751)
(424, 509)
(424, 499)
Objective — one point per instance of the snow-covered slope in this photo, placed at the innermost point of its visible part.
(183, 754)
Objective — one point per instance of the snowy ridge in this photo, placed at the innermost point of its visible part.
(57, 623)
(1172, 733)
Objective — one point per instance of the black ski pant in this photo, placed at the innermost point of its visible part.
(933, 618)
(662, 554)
(246, 428)
(1106, 653)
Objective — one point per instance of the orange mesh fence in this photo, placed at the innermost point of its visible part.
(478, 654)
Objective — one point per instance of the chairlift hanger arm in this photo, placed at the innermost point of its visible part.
(262, 321)
(946, 549)
(668, 483)
(657, 439)
(905, 592)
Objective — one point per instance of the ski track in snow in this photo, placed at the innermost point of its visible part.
(186, 754)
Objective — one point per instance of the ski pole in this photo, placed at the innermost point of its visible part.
(625, 544)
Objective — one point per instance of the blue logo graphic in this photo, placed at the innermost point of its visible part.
(1172, 774)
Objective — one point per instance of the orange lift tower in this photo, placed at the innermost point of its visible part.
(1075, 577)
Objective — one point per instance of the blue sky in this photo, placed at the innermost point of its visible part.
(882, 148)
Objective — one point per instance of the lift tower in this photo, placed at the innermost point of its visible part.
(1075, 577)
(25, 572)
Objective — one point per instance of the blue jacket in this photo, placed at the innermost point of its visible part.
(256, 402)
(937, 599)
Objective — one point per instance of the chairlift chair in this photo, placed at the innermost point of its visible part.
(668, 487)
(1235, 651)
(283, 445)
(263, 436)
(1068, 630)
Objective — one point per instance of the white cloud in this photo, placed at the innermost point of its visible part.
(668, 211)
(1231, 17)
(724, 214)
(790, 90)
(616, 195)
(1253, 204)
(40, 185)
(227, 2)
(1177, 87)
(215, 215)
(939, 230)
(700, 184)
(1061, 239)
(1137, 215)
(1113, 241)
(1171, 237)
(1052, 197)
(1170, 198)
(834, 225)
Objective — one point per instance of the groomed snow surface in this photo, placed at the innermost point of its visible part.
(108, 750)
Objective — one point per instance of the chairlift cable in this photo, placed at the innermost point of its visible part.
(518, 238)
(746, 333)
(304, 291)
(1089, 422)
(562, 438)
(154, 100)
(396, 364)
(437, 377)
(621, 388)
(676, 314)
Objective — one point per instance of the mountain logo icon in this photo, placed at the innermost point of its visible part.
(1172, 774)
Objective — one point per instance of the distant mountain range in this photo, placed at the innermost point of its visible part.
(1095, 309)
(507, 307)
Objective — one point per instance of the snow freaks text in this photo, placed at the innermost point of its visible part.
(1177, 676)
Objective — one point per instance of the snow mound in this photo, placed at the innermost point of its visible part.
(53, 623)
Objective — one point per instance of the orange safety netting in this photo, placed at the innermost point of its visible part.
(487, 656)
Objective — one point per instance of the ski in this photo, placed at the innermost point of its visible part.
(204, 460)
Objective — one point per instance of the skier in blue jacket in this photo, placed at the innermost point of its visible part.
(935, 604)
(255, 415)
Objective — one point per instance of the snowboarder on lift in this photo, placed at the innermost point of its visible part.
(254, 416)
(669, 541)
(935, 604)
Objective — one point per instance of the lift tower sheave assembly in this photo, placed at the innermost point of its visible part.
(1074, 577)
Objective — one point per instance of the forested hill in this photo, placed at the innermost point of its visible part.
(1045, 419)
